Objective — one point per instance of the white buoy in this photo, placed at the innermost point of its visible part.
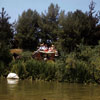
(12, 76)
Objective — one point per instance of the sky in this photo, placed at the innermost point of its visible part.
(14, 8)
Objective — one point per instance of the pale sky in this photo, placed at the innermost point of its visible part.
(16, 7)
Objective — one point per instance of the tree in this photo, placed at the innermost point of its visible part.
(6, 31)
(49, 26)
(74, 29)
(28, 29)
(79, 27)
(93, 24)
(6, 35)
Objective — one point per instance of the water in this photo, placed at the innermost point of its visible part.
(37, 90)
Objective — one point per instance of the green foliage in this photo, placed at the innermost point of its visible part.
(65, 30)
(49, 25)
(60, 70)
(81, 66)
(75, 34)
(26, 55)
(5, 55)
(33, 69)
(6, 35)
(50, 70)
(20, 69)
(28, 30)
(36, 69)
(82, 72)
(6, 31)
(40, 70)
(78, 27)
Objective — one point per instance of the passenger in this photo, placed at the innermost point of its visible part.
(52, 48)
(41, 48)
(46, 47)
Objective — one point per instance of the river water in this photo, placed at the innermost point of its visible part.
(39, 90)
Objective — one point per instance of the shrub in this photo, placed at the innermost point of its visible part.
(81, 66)
(50, 70)
(27, 55)
(20, 69)
(60, 70)
(32, 67)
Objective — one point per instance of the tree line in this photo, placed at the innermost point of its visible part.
(55, 26)
(67, 30)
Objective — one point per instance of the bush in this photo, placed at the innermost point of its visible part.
(20, 69)
(32, 67)
(37, 69)
(60, 70)
(26, 55)
(40, 69)
(72, 67)
(5, 59)
(5, 55)
(50, 70)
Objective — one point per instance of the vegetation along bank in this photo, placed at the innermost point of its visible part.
(76, 36)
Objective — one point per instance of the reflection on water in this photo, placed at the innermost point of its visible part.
(12, 81)
(36, 90)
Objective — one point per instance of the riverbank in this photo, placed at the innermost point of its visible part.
(81, 66)
(76, 67)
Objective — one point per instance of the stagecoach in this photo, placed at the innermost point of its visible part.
(38, 55)
(45, 55)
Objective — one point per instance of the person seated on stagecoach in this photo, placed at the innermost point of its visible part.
(52, 48)
(43, 47)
